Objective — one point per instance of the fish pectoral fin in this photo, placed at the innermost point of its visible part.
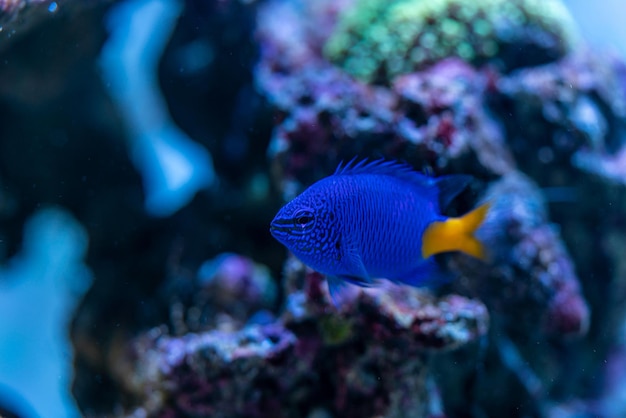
(353, 264)
(456, 234)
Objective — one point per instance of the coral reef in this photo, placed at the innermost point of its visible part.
(241, 373)
(435, 118)
(558, 119)
(370, 358)
(377, 40)
(529, 263)
(565, 123)
(577, 103)
(198, 312)
(406, 317)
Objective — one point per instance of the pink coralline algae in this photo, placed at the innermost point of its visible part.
(393, 312)
(370, 358)
(242, 373)
(441, 111)
(435, 118)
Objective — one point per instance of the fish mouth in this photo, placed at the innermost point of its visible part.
(280, 229)
(281, 224)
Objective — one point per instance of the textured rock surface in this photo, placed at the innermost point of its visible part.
(371, 357)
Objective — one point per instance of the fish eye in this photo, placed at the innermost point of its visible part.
(303, 218)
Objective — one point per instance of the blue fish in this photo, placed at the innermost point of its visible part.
(378, 219)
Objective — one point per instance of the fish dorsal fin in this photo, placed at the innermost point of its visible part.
(384, 167)
(445, 188)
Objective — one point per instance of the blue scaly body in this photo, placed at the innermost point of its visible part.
(367, 221)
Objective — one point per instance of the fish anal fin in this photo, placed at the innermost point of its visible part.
(456, 234)
(426, 273)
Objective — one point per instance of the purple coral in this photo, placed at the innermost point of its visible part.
(434, 119)
(441, 110)
(369, 358)
(395, 325)
(390, 311)
(231, 374)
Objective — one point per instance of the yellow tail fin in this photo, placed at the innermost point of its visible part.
(456, 234)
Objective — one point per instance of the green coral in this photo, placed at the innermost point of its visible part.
(376, 40)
